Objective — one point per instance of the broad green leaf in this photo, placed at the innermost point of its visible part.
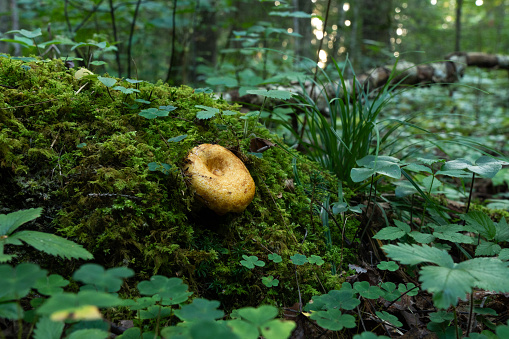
(344, 298)
(156, 311)
(447, 284)
(391, 293)
(208, 329)
(20, 40)
(167, 332)
(388, 265)
(28, 34)
(490, 273)
(487, 248)
(389, 318)
(10, 222)
(415, 254)
(333, 319)
(106, 280)
(422, 238)
(441, 316)
(296, 14)
(51, 284)
(431, 184)
(451, 233)
(251, 261)
(502, 231)
(275, 257)
(90, 333)
(178, 138)
(142, 303)
(200, 309)
(243, 329)
(316, 259)
(133, 81)
(11, 311)
(18, 281)
(222, 80)
(273, 93)
(70, 302)
(54, 245)
(504, 254)
(482, 223)
(168, 108)
(270, 281)
(206, 112)
(48, 329)
(159, 166)
(152, 113)
(389, 233)
(299, 259)
(361, 174)
(367, 291)
(258, 316)
(484, 166)
(402, 226)
(172, 290)
(126, 90)
(418, 168)
(108, 82)
(277, 329)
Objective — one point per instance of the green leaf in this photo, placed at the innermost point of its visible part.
(482, 223)
(490, 273)
(152, 113)
(389, 318)
(451, 233)
(270, 281)
(206, 112)
(126, 90)
(275, 258)
(441, 316)
(316, 259)
(70, 302)
(172, 290)
(207, 329)
(333, 319)
(504, 254)
(258, 316)
(168, 108)
(200, 309)
(502, 231)
(11, 311)
(345, 299)
(159, 166)
(98, 63)
(10, 222)
(81, 145)
(177, 139)
(299, 259)
(273, 93)
(367, 291)
(410, 287)
(251, 261)
(222, 80)
(17, 282)
(296, 14)
(447, 284)
(156, 311)
(243, 329)
(423, 238)
(133, 81)
(48, 329)
(51, 284)
(90, 333)
(53, 244)
(104, 280)
(391, 293)
(277, 329)
(487, 248)
(388, 265)
(108, 82)
(415, 254)
(389, 233)
(28, 34)
(484, 166)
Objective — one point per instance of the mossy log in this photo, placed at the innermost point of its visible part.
(81, 150)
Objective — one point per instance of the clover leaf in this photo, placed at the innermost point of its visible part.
(275, 258)
(200, 309)
(251, 261)
(172, 290)
(106, 280)
(315, 259)
(388, 265)
(299, 259)
(270, 281)
(333, 319)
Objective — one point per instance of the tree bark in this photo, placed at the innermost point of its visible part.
(459, 6)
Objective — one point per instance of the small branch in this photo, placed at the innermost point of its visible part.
(38, 103)
(173, 37)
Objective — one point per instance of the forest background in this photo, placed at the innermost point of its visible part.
(230, 43)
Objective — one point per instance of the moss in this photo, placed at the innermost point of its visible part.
(102, 194)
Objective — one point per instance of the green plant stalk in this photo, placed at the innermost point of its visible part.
(456, 324)
(471, 314)
(471, 190)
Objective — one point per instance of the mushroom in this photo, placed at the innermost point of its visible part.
(220, 179)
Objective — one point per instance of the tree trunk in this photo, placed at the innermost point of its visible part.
(459, 6)
(376, 27)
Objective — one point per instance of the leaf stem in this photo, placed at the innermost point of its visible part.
(471, 314)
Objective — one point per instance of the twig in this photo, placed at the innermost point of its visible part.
(131, 38)
(115, 37)
(173, 37)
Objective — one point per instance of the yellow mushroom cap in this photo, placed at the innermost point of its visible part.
(220, 179)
